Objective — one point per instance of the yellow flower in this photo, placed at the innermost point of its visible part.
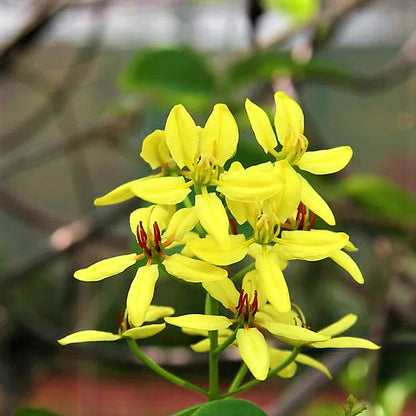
(289, 125)
(244, 306)
(147, 225)
(153, 313)
(272, 249)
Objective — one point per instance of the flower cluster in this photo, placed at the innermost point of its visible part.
(191, 226)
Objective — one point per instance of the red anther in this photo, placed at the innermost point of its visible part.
(302, 215)
(120, 320)
(240, 300)
(299, 213)
(156, 233)
(143, 234)
(143, 239)
(233, 226)
(312, 220)
(246, 309)
(139, 237)
(255, 303)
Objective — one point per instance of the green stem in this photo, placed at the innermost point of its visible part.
(272, 372)
(239, 377)
(211, 308)
(239, 275)
(226, 343)
(140, 355)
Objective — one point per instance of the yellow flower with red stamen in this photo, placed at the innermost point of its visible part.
(289, 125)
(125, 330)
(146, 224)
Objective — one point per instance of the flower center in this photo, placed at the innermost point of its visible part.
(149, 242)
(245, 310)
(266, 228)
(123, 323)
(204, 171)
(305, 219)
(294, 149)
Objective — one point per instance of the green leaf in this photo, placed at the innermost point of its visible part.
(180, 73)
(380, 197)
(263, 65)
(229, 407)
(299, 10)
(32, 411)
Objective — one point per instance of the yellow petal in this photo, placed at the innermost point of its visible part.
(347, 263)
(208, 249)
(154, 312)
(250, 185)
(105, 268)
(224, 291)
(238, 210)
(287, 201)
(204, 345)
(120, 194)
(311, 245)
(306, 360)
(277, 357)
(272, 281)
(220, 135)
(270, 313)
(182, 222)
(339, 326)
(200, 321)
(322, 162)
(144, 331)
(148, 216)
(154, 149)
(141, 292)
(254, 352)
(346, 342)
(315, 202)
(261, 126)
(293, 333)
(212, 216)
(163, 190)
(288, 119)
(88, 336)
(224, 333)
(192, 270)
(181, 136)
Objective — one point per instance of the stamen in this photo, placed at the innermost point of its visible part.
(246, 307)
(233, 226)
(156, 233)
(255, 303)
(302, 211)
(312, 221)
(240, 301)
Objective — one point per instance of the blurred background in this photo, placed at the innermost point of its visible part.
(83, 82)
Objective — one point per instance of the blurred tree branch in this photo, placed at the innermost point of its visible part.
(45, 12)
(59, 97)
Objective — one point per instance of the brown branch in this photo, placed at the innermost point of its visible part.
(35, 26)
(58, 98)
(109, 129)
(31, 216)
(63, 241)
(334, 11)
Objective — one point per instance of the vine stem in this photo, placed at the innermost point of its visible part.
(272, 372)
(140, 355)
